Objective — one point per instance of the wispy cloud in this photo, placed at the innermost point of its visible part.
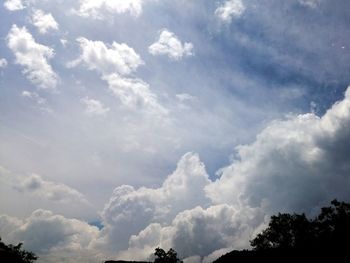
(3, 63)
(94, 107)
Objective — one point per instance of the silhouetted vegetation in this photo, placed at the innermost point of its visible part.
(15, 254)
(294, 237)
(165, 257)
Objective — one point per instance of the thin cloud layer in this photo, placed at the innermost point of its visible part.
(34, 57)
(310, 3)
(53, 191)
(170, 45)
(3, 63)
(94, 107)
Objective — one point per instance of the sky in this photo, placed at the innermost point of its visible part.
(127, 125)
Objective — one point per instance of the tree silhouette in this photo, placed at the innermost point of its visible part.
(165, 257)
(295, 238)
(15, 254)
(285, 231)
(331, 230)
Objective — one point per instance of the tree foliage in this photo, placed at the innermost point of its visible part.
(330, 229)
(165, 257)
(15, 254)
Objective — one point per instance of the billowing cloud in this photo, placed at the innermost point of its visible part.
(94, 107)
(170, 45)
(44, 22)
(33, 57)
(129, 210)
(3, 63)
(296, 164)
(53, 191)
(14, 5)
(116, 63)
(99, 9)
(52, 237)
(229, 10)
(200, 232)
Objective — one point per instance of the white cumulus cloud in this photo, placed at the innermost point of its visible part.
(116, 63)
(94, 107)
(115, 58)
(169, 44)
(14, 5)
(33, 57)
(230, 9)
(44, 22)
(99, 9)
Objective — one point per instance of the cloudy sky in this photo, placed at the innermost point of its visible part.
(131, 124)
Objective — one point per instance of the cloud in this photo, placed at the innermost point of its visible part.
(99, 9)
(298, 164)
(116, 63)
(134, 93)
(129, 211)
(44, 22)
(34, 96)
(3, 63)
(14, 5)
(310, 3)
(94, 107)
(295, 165)
(41, 103)
(201, 232)
(56, 192)
(229, 10)
(116, 58)
(33, 57)
(170, 45)
(52, 237)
